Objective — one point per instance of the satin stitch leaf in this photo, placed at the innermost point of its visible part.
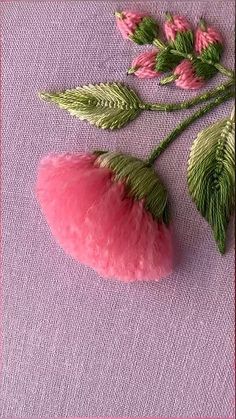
(211, 177)
(105, 105)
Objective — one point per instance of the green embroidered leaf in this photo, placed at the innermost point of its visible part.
(109, 105)
(213, 52)
(204, 70)
(145, 32)
(166, 61)
(183, 42)
(211, 178)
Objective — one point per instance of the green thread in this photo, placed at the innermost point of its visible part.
(209, 56)
(185, 124)
(226, 71)
(210, 94)
(168, 79)
(145, 32)
(166, 61)
(105, 105)
(141, 181)
(168, 16)
(204, 70)
(211, 177)
(112, 105)
(183, 42)
(213, 52)
(119, 15)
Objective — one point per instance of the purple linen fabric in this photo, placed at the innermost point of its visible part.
(75, 344)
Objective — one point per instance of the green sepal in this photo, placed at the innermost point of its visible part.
(141, 180)
(146, 31)
(211, 176)
(105, 105)
(183, 42)
(166, 61)
(213, 52)
(204, 70)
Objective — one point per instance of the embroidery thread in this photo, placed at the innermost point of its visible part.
(110, 210)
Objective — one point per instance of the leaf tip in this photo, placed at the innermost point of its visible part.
(44, 96)
(221, 247)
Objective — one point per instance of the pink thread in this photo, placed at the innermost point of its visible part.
(203, 38)
(97, 223)
(187, 78)
(127, 22)
(144, 65)
(174, 26)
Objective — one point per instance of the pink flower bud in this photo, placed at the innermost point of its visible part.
(143, 66)
(205, 36)
(127, 22)
(138, 27)
(175, 25)
(186, 77)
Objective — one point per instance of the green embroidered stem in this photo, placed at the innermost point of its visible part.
(222, 69)
(185, 124)
(210, 94)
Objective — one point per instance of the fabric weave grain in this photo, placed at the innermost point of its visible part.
(74, 344)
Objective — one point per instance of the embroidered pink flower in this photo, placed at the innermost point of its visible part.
(143, 66)
(138, 27)
(127, 22)
(95, 219)
(208, 38)
(174, 25)
(186, 76)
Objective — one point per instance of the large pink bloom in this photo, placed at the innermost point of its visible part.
(97, 223)
(127, 22)
(175, 25)
(205, 37)
(187, 77)
(143, 66)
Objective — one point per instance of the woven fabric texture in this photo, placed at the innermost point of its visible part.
(75, 344)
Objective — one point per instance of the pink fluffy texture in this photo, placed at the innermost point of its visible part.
(174, 26)
(187, 78)
(98, 224)
(128, 23)
(204, 38)
(144, 65)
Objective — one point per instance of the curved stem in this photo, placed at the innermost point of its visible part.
(185, 124)
(226, 71)
(210, 94)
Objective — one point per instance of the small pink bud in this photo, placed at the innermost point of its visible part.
(143, 66)
(187, 77)
(175, 25)
(127, 22)
(138, 27)
(206, 36)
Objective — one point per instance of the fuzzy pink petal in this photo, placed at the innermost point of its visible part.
(96, 223)
(144, 64)
(187, 78)
(204, 38)
(146, 73)
(128, 23)
(176, 25)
